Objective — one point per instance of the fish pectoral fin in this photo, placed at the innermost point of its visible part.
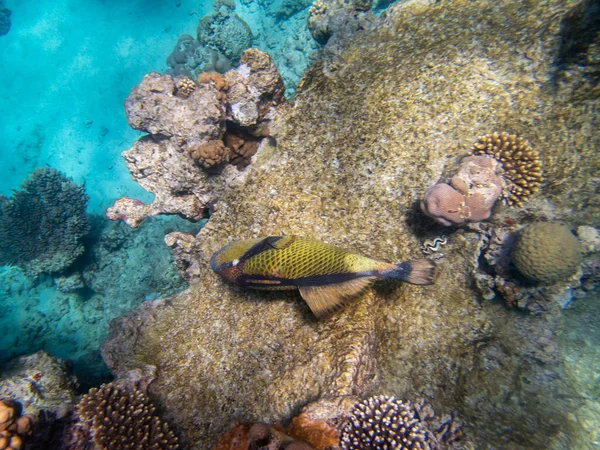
(325, 299)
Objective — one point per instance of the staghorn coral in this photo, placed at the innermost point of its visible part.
(116, 417)
(381, 423)
(546, 252)
(521, 164)
(42, 224)
(14, 427)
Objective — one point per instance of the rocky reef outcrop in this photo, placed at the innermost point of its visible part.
(372, 127)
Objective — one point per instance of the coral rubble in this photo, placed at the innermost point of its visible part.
(42, 224)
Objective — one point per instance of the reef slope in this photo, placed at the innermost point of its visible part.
(372, 127)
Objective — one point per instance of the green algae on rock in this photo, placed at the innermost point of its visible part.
(371, 128)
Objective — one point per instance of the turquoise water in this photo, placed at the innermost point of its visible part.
(66, 68)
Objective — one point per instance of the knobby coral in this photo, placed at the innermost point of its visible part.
(114, 417)
(42, 224)
(14, 427)
(521, 164)
(471, 195)
(384, 422)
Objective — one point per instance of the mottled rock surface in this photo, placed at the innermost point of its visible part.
(370, 130)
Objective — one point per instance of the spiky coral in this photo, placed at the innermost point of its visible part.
(522, 165)
(384, 423)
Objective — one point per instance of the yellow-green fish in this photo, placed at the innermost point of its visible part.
(326, 276)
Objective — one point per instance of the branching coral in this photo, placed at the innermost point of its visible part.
(41, 226)
(384, 422)
(115, 417)
(521, 164)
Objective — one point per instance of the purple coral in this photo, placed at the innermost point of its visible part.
(471, 195)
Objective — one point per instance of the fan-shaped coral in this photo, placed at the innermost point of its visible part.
(522, 165)
(383, 423)
(114, 417)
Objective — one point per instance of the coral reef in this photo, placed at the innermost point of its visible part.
(383, 422)
(546, 252)
(4, 19)
(14, 427)
(355, 150)
(225, 32)
(190, 58)
(119, 415)
(42, 224)
(471, 195)
(185, 132)
(522, 167)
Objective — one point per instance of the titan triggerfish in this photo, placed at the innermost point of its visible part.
(326, 276)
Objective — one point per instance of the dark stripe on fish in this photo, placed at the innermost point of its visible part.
(266, 244)
(314, 280)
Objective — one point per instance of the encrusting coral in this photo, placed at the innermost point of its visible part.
(114, 417)
(383, 422)
(14, 427)
(42, 224)
(546, 252)
(471, 196)
(521, 164)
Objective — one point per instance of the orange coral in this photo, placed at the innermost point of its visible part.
(210, 153)
(14, 427)
(319, 433)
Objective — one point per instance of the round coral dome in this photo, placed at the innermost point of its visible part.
(546, 252)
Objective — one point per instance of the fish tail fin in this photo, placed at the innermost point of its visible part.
(416, 271)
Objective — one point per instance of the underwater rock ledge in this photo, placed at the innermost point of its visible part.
(370, 130)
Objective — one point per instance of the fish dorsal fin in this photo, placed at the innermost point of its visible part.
(325, 299)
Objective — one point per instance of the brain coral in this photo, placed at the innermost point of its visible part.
(42, 224)
(546, 252)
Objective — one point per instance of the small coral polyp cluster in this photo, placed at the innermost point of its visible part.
(521, 164)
